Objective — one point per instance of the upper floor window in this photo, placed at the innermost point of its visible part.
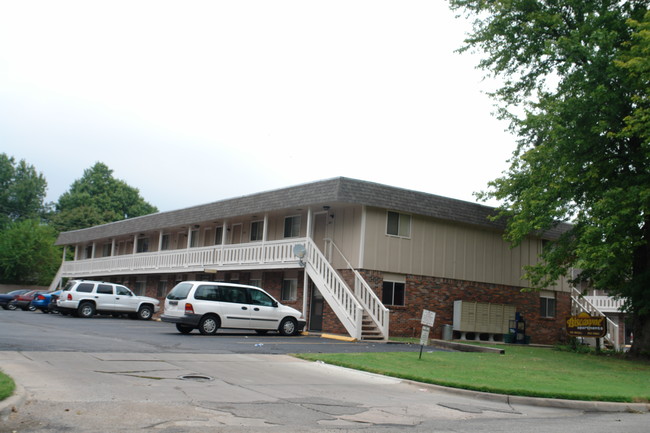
(143, 245)
(292, 226)
(107, 250)
(164, 242)
(195, 239)
(257, 231)
(398, 224)
(218, 236)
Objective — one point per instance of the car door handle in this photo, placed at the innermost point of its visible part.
(244, 308)
(256, 309)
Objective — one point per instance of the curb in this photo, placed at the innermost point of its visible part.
(10, 404)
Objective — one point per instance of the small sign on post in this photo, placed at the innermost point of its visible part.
(428, 317)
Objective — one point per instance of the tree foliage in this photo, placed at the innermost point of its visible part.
(22, 191)
(28, 254)
(575, 83)
(98, 198)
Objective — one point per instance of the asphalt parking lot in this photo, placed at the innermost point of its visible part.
(35, 331)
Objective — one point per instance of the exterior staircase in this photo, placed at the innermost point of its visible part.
(359, 310)
(580, 304)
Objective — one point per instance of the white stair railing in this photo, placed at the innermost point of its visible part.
(584, 305)
(366, 296)
(337, 294)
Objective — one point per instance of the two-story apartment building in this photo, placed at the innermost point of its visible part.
(356, 257)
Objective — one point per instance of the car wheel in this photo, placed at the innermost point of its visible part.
(209, 325)
(30, 307)
(183, 329)
(261, 331)
(288, 326)
(86, 310)
(11, 306)
(145, 312)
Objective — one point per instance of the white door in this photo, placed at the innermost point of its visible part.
(235, 310)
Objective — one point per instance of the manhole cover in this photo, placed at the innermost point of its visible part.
(197, 377)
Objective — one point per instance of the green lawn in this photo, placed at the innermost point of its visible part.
(7, 386)
(523, 370)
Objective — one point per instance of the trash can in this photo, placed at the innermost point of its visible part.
(447, 332)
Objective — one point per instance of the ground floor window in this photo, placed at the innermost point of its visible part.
(393, 293)
(289, 290)
(162, 289)
(547, 304)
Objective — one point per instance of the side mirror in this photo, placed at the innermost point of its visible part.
(275, 304)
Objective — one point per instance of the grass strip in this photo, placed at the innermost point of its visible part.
(522, 370)
(7, 386)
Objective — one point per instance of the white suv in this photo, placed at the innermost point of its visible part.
(85, 298)
(209, 306)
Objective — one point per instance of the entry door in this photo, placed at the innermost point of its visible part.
(235, 238)
(316, 312)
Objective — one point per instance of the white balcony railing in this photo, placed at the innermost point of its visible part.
(237, 255)
(606, 304)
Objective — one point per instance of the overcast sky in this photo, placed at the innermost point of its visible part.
(197, 101)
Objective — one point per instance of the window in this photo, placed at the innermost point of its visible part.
(256, 282)
(106, 250)
(140, 286)
(122, 291)
(89, 252)
(210, 293)
(260, 298)
(292, 226)
(218, 236)
(195, 239)
(85, 287)
(289, 290)
(393, 293)
(105, 289)
(143, 245)
(257, 231)
(398, 224)
(547, 304)
(162, 288)
(164, 242)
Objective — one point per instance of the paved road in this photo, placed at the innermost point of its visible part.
(181, 390)
(46, 332)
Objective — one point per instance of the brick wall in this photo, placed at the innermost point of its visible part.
(439, 294)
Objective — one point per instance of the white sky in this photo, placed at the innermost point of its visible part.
(197, 101)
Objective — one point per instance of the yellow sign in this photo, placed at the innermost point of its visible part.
(585, 325)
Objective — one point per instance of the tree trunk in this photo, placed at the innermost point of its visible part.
(641, 344)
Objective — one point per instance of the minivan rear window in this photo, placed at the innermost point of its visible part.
(180, 291)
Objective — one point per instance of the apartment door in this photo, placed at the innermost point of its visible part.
(316, 311)
(235, 237)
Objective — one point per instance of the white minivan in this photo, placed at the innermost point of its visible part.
(208, 306)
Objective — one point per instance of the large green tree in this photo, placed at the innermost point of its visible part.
(98, 198)
(28, 254)
(573, 90)
(22, 191)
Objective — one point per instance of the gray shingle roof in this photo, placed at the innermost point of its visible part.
(331, 191)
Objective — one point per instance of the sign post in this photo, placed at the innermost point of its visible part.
(428, 317)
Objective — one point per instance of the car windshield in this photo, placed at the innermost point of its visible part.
(180, 291)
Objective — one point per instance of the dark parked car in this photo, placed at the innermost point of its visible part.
(24, 301)
(43, 301)
(8, 300)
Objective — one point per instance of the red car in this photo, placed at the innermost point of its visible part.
(24, 301)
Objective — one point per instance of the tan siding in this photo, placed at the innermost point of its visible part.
(443, 249)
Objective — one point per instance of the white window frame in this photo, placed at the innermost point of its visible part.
(259, 231)
(545, 298)
(383, 294)
(295, 228)
(290, 284)
(403, 229)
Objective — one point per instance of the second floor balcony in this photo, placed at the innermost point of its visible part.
(253, 255)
